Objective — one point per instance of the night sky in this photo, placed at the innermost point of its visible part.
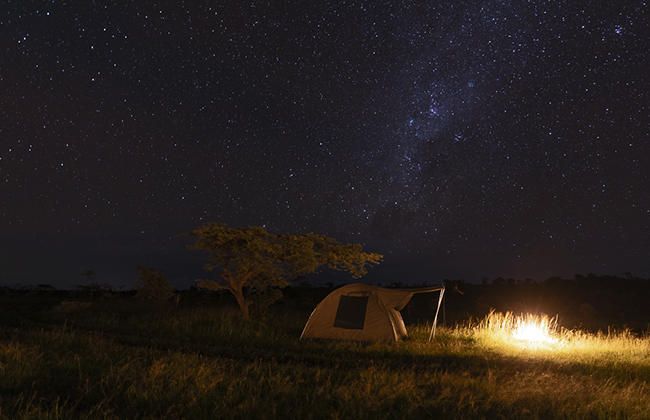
(460, 140)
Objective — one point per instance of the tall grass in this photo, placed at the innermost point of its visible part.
(621, 348)
(121, 360)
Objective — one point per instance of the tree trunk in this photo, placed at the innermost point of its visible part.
(243, 304)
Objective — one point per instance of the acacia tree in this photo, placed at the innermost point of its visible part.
(251, 259)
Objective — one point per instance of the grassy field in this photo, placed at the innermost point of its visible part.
(120, 359)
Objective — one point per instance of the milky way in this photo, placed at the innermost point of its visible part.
(458, 139)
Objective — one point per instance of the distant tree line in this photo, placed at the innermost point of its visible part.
(588, 302)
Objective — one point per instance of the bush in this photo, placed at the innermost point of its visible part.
(154, 285)
(72, 305)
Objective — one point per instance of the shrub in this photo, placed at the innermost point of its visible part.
(72, 305)
(154, 285)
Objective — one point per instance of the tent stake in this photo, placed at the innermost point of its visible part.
(435, 319)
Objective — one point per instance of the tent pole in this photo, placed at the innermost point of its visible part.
(435, 319)
(444, 312)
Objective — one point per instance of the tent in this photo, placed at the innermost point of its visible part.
(365, 313)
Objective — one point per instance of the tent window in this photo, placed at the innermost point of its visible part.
(351, 313)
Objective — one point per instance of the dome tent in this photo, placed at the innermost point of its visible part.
(363, 312)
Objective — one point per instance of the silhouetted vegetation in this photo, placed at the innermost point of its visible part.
(153, 287)
(588, 302)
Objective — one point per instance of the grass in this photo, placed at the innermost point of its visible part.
(122, 360)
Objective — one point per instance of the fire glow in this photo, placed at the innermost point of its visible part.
(534, 329)
(530, 331)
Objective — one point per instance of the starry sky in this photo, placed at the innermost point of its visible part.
(460, 139)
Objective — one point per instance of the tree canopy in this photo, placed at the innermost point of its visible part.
(251, 259)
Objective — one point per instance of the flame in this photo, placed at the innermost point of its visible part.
(523, 330)
(533, 329)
